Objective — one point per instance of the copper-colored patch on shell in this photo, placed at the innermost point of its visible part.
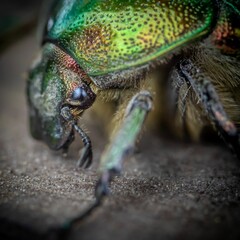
(92, 40)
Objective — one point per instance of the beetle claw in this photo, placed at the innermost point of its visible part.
(86, 152)
(86, 157)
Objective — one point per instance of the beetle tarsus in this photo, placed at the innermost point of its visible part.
(101, 190)
(86, 154)
(86, 157)
(111, 164)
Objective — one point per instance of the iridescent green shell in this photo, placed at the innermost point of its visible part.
(106, 35)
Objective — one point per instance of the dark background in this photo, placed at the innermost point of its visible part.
(16, 19)
(169, 190)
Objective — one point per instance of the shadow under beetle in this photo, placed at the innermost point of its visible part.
(113, 50)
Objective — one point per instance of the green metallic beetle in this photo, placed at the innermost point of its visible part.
(114, 50)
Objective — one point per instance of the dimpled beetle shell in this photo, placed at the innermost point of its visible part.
(90, 41)
(105, 36)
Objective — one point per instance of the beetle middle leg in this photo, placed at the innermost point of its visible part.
(120, 147)
(123, 141)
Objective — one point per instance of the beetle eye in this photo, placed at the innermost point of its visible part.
(81, 97)
(79, 94)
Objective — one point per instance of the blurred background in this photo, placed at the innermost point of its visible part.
(17, 17)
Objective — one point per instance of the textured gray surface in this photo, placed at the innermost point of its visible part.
(170, 190)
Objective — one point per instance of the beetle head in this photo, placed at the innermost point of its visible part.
(56, 81)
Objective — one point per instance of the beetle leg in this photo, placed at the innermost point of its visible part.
(121, 146)
(86, 154)
(67, 144)
(123, 142)
(211, 103)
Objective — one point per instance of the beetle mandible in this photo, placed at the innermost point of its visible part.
(113, 50)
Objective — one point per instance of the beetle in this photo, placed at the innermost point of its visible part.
(113, 50)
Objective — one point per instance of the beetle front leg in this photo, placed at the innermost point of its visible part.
(120, 147)
(66, 145)
(123, 141)
(86, 152)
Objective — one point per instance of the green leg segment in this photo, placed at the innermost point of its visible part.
(124, 141)
(121, 146)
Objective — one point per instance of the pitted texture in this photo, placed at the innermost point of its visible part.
(104, 36)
